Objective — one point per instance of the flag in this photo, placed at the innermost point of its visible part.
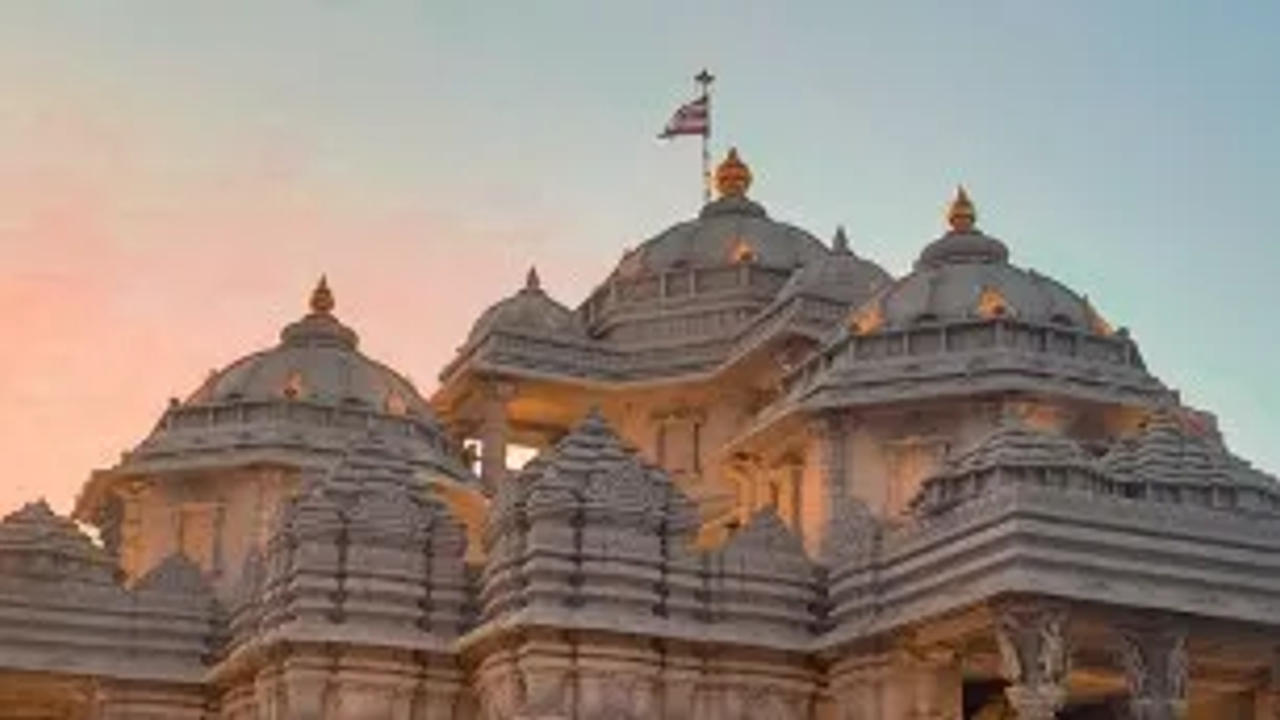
(692, 118)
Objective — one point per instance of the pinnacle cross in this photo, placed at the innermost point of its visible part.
(704, 80)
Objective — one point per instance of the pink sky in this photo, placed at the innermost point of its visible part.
(174, 176)
(130, 271)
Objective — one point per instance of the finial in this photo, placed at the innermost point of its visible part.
(733, 177)
(840, 243)
(531, 279)
(961, 215)
(322, 298)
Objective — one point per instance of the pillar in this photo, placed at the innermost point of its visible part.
(828, 432)
(1154, 658)
(493, 433)
(1267, 698)
(1034, 655)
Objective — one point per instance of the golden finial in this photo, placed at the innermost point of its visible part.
(961, 215)
(322, 297)
(1097, 323)
(733, 177)
(991, 304)
(868, 318)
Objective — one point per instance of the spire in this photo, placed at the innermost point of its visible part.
(961, 215)
(322, 297)
(733, 177)
(840, 243)
(531, 279)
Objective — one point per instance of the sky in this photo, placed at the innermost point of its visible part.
(175, 176)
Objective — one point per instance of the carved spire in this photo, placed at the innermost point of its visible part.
(840, 243)
(733, 177)
(531, 279)
(322, 298)
(961, 215)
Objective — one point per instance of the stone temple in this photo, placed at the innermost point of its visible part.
(768, 481)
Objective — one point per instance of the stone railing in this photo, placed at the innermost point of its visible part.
(653, 292)
(908, 347)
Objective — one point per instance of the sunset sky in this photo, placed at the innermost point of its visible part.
(175, 175)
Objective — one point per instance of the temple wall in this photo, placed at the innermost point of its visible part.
(215, 520)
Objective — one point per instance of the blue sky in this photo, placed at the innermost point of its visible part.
(197, 164)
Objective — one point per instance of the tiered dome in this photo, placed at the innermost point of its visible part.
(1171, 461)
(1013, 453)
(730, 230)
(34, 540)
(530, 311)
(966, 274)
(317, 360)
(1168, 461)
(841, 276)
(299, 404)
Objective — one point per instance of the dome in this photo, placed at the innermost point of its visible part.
(299, 404)
(840, 276)
(730, 230)
(317, 360)
(529, 311)
(966, 274)
(1173, 459)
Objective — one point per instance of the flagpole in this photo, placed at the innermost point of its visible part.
(704, 80)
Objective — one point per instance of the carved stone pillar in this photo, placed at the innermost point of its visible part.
(936, 685)
(1035, 656)
(493, 433)
(830, 434)
(132, 543)
(1267, 705)
(1154, 657)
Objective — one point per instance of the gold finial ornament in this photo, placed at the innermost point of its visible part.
(733, 177)
(961, 215)
(322, 297)
(867, 319)
(991, 304)
(1097, 323)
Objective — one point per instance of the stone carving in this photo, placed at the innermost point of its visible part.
(1154, 658)
(175, 575)
(1034, 655)
(852, 534)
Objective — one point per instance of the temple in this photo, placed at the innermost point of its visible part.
(751, 476)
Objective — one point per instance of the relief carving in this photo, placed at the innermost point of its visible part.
(1154, 659)
(1035, 657)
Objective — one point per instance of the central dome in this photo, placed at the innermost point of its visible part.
(728, 231)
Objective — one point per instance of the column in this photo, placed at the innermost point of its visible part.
(1267, 697)
(132, 545)
(938, 685)
(1034, 655)
(1154, 658)
(829, 432)
(493, 433)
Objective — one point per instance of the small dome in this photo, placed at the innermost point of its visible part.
(966, 274)
(35, 540)
(1173, 460)
(317, 360)
(840, 276)
(529, 311)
